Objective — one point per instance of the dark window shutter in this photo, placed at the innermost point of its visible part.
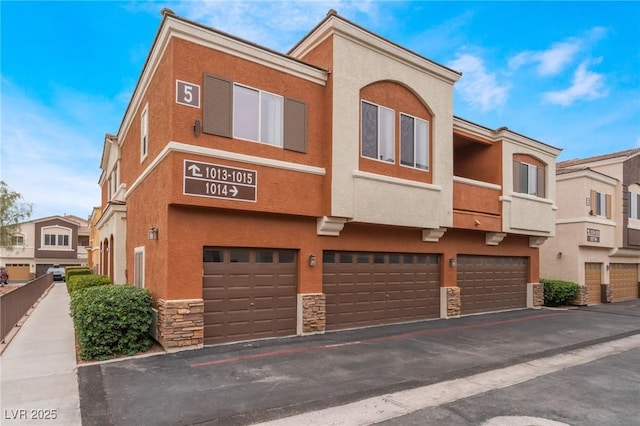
(295, 125)
(541, 183)
(516, 176)
(369, 130)
(217, 106)
(407, 139)
(608, 206)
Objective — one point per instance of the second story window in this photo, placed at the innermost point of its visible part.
(634, 205)
(378, 132)
(414, 142)
(257, 115)
(600, 204)
(232, 110)
(144, 133)
(528, 179)
(56, 238)
(17, 240)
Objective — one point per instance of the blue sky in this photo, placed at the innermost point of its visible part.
(564, 73)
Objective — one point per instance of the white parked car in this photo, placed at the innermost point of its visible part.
(57, 271)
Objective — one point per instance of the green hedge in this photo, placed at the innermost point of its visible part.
(111, 320)
(78, 282)
(72, 271)
(558, 292)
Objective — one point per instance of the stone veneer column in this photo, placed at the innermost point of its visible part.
(538, 294)
(180, 323)
(314, 315)
(607, 291)
(453, 301)
(582, 298)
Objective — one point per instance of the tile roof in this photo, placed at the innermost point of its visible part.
(578, 161)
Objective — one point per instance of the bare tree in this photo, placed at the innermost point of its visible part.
(13, 211)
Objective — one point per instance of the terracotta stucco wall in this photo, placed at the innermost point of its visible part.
(192, 61)
(191, 229)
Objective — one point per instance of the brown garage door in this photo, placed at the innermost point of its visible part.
(491, 283)
(593, 280)
(624, 281)
(248, 294)
(379, 288)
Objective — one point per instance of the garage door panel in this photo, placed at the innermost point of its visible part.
(252, 299)
(490, 283)
(384, 290)
(624, 281)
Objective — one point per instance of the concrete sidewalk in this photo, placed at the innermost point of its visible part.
(38, 373)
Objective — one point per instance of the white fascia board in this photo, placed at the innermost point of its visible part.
(588, 174)
(519, 140)
(473, 129)
(179, 29)
(234, 47)
(338, 27)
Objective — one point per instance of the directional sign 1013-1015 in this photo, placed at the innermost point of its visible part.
(218, 181)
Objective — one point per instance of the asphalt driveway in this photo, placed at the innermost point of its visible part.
(245, 383)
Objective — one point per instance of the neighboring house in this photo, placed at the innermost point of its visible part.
(93, 250)
(259, 194)
(598, 227)
(41, 243)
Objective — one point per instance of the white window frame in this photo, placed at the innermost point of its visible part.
(600, 209)
(279, 121)
(144, 133)
(17, 237)
(381, 145)
(416, 120)
(531, 181)
(634, 205)
(138, 267)
(56, 232)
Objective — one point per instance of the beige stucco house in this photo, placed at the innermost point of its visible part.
(41, 243)
(597, 242)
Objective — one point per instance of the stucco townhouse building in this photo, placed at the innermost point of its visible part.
(598, 227)
(41, 243)
(259, 194)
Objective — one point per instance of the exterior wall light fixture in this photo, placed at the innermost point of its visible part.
(453, 262)
(153, 233)
(312, 260)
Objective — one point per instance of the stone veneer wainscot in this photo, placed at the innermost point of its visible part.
(180, 323)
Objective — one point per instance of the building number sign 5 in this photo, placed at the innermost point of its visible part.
(217, 181)
(187, 94)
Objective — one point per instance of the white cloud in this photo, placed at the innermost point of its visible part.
(51, 154)
(586, 85)
(560, 55)
(550, 61)
(477, 86)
